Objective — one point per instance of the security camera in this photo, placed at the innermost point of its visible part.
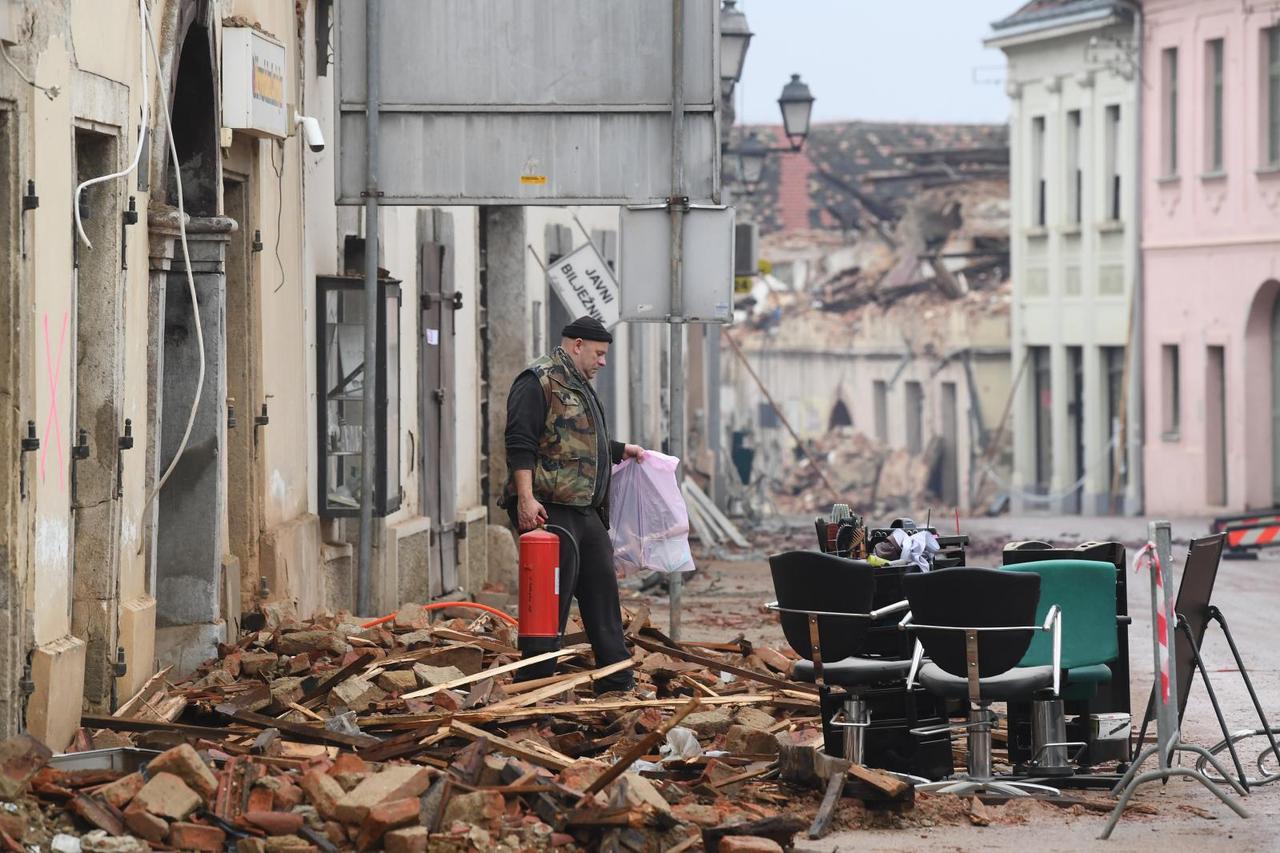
(310, 131)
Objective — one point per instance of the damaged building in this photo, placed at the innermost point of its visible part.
(879, 334)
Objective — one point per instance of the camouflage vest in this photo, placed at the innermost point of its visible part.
(567, 470)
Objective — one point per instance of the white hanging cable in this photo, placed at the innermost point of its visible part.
(50, 92)
(142, 125)
(191, 284)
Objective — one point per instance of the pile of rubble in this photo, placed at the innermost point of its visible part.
(861, 469)
(333, 735)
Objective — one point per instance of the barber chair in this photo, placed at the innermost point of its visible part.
(824, 604)
(976, 625)
(1085, 593)
(1093, 716)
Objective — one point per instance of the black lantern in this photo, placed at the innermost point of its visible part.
(751, 157)
(341, 377)
(735, 36)
(796, 104)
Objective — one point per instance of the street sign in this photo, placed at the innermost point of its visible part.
(521, 102)
(644, 263)
(586, 285)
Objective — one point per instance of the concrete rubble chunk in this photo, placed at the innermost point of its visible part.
(143, 823)
(749, 844)
(393, 783)
(356, 694)
(99, 842)
(323, 791)
(414, 638)
(398, 681)
(297, 642)
(479, 808)
(754, 718)
(641, 791)
(286, 690)
(185, 763)
(411, 839)
(751, 741)
(431, 676)
(165, 795)
(258, 663)
(707, 724)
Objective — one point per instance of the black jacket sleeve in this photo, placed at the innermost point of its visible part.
(526, 418)
(616, 449)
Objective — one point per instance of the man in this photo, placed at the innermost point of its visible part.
(560, 459)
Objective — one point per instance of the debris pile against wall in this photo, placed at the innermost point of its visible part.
(869, 475)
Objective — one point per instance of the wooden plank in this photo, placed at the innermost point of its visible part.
(510, 747)
(641, 748)
(497, 670)
(731, 530)
(298, 731)
(321, 690)
(136, 724)
(152, 686)
(568, 683)
(715, 665)
(891, 786)
(827, 811)
(472, 640)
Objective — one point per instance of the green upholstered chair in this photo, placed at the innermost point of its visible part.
(1085, 592)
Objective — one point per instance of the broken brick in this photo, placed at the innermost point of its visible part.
(298, 642)
(121, 791)
(165, 795)
(355, 694)
(287, 691)
(21, 758)
(323, 791)
(412, 839)
(754, 718)
(398, 681)
(385, 817)
(185, 763)
(707, 724)
(145, 824)
(478, 808)
(748, 844)
(258, 663)
(431, 676)
(197, 836)
(394, 783)
(750, 741)
(274, 823)
(289, 844)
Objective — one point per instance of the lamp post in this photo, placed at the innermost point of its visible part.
(735, 37)
(796, 105)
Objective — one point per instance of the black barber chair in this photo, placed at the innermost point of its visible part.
(825, 606)
(975, 625)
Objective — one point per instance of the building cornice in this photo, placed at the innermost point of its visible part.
(1067, 25)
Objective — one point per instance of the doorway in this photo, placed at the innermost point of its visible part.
(244, 398)
(1215, 440)
(97, 422)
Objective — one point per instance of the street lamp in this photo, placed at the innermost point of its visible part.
(735, 36)
(751, 156)
(796, 103)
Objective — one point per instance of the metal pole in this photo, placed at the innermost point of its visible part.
(368, 449)
(677, 205)
(714, 429)
(1135, 498)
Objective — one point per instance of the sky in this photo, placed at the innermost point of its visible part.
(889, 60)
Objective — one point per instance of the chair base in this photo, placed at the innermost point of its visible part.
(965, 786)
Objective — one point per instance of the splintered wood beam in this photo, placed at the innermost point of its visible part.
(641, 748)
(715, 665)
(497, 670)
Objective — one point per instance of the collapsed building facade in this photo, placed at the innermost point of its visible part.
(109, 574)
(878, 336)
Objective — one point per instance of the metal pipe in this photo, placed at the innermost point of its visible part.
(676, 205)
(368, 449)
(714, 429)
(1135, 498)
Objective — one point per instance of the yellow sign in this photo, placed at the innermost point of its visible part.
(268, 82)
(533, 180)
(742, 285)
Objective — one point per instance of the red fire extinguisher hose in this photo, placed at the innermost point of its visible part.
(577, 556)
(440, 605)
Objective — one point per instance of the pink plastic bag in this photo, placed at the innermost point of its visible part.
(649, 522)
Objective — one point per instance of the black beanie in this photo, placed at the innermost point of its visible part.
(589, 329)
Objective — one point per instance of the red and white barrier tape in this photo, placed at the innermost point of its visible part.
(1148, 558)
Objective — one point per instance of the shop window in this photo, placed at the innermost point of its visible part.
(341, 376)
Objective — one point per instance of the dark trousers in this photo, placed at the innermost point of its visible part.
(589, 577)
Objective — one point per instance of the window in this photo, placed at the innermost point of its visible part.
(341, 375)
(880, 393)
(915, 417)
(1271, 52)
(1169, 71)
(1112, 164)
(1075, 175)
(1214, 106)
(1037, 171)
(1170, 382)
(1042, 393)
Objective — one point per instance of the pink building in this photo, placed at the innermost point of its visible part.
(1211, 251)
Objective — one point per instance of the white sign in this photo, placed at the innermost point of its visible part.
(253, 98)
(644, 264)
(586, 285)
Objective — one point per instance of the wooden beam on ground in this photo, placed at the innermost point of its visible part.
(298, 731)
(153, 686)
(521, 751)
(497, 670)
(741, 672)
(136, 724)
(641, 748)
(567, 682)
(827, 811)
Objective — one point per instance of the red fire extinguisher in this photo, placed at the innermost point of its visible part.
(540, 596)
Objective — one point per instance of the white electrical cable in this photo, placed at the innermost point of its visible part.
(191, 285)
(50, 92)
(142, 126)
